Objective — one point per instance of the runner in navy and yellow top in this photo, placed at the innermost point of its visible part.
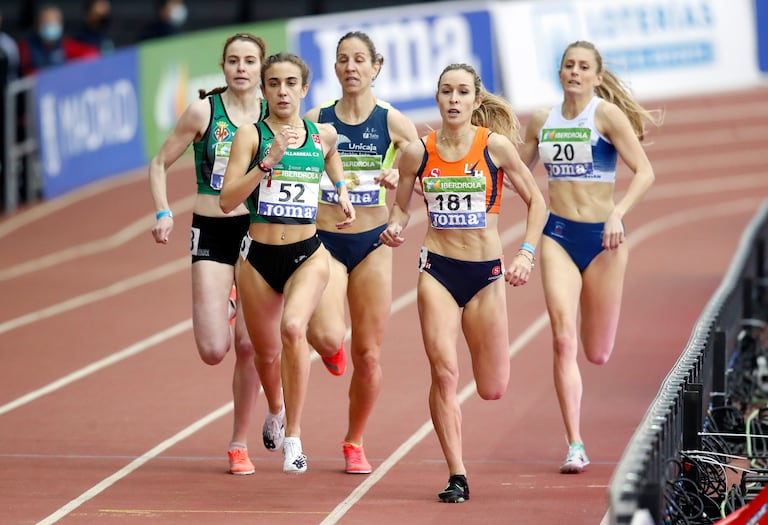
(460, 285)
(275, 166)
(209, 125)
(584, 256)
(370, 133)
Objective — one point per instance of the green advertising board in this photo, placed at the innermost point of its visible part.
(173, 69)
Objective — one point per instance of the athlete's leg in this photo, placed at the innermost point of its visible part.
(562, 288)
(370, 299)
(485, 327)
(245, 380)
(328, 324)
(261, 310)
(440, 321)
(601, 303)
(302, 295)
(211, 285)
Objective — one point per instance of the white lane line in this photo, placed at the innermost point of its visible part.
(134, 229)
(142, 226)
(43, 209)
(94, 367)
(97, 295)
(136, 464)
(642, 233)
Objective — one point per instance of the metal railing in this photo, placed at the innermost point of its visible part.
(21, 174)
(695, 383)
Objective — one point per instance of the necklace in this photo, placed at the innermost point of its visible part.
(454, 139)
(276, 125)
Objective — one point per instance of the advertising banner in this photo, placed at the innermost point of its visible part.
(761, 17)
(417, 43)
(660, 48)
(88, 121)
(172, 71)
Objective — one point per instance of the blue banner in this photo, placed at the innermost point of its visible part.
(88, 121)
(416, 45)
(761, 15)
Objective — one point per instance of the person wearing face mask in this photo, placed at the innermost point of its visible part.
(47, 45)
(170, 17)
(94, 30)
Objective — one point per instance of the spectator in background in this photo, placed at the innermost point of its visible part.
(9, 55)
(94, 30)
(170, 17)
(47, 45)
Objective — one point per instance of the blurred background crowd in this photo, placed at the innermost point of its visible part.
(36, 34)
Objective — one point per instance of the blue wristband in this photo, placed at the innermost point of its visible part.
(528, 247)
(164, 213)
(340, 183)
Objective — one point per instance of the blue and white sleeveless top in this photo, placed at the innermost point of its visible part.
(365, 149)
(574, 150)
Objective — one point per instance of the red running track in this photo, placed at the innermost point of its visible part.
(108, 416)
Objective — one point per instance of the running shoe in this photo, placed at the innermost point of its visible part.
(294, 460)
(457, 490)
(337, 363)
(273, 431)
(232, 305)
(575, 461)
(239, 462)
(354, 457)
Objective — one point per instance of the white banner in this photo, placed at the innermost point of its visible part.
(660, 48)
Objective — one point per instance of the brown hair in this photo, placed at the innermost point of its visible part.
(245, 37)
(281, 57)
(494, 112)
(613, 90)
(376, 58)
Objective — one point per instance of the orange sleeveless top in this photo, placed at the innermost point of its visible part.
(460, 196)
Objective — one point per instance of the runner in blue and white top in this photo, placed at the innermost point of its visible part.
(584, 255)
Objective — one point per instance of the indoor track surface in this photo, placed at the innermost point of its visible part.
(107, 415)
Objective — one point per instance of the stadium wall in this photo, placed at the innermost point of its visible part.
(103, 117)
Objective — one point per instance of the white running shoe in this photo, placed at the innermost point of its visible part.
(273, 431)
(575, 461)
(294, 461)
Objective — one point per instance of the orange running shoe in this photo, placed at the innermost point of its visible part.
(354, 457)
(239, 462)
(232, 305)
(337, 363)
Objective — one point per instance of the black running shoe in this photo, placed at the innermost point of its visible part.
(457, 490)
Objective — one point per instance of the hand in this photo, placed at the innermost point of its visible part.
(349, 212)
(388, 178)
(391, 236)
(520, 268)
(284, 139)
(613, 234)
(162, 229)
(418, 189)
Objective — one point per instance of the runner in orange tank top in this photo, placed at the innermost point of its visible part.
(460, 286)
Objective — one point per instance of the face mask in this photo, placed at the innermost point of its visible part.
(178, 15)
(51, 32)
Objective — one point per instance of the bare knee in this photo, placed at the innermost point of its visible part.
(599, 356)
(565, 346)
(292, 333)
(244, 348)
(445, 380)
(212, 354)
(325, 342)
(491, 393)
